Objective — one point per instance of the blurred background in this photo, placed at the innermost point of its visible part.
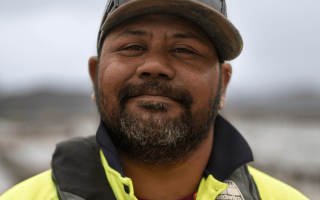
(273, 98)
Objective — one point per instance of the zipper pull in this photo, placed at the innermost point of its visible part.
(195, 196)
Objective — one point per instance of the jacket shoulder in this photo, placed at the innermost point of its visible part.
(40, 186)
(271, 188)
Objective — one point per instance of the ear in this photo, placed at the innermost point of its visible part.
(226, 71)
(93, 64)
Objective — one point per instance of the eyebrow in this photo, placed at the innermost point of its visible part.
(188, 35)
(131, 32)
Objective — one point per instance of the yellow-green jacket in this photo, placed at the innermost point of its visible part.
(85, 170)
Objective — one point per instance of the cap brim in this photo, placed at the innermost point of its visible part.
(225, 37)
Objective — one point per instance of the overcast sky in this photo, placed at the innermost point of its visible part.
(48, 43)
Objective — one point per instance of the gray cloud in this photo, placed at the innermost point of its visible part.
(49, 43)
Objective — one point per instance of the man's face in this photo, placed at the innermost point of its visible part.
(157, 87)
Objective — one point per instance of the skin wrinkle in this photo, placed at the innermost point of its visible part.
(128, 32)
(188, 35)
(167, 142)
(154, 140)
(135, 60)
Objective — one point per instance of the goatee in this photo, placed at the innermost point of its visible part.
(157, 141)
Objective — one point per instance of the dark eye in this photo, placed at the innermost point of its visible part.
(182, 50)
(134, 47)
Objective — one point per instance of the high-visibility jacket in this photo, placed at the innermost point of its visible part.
(85, 170)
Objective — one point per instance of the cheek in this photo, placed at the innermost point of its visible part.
(113, 73)
(203, 85)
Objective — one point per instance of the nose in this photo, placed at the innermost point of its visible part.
(156, 65)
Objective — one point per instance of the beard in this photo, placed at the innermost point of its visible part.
(157, 141)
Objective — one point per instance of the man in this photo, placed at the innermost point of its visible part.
(160, 79)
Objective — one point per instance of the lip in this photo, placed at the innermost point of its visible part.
(154, 94)
(149, 97)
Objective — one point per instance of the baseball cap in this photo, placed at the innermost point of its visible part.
(209, 15)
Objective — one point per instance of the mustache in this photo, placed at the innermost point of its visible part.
(154, 87)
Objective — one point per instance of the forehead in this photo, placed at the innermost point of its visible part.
(169, 24)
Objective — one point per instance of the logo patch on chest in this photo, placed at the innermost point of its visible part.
(231, 193)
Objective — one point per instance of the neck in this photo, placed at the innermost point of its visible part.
(169, 182)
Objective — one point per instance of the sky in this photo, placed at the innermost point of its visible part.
(47, 44)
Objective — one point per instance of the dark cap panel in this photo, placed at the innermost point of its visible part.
(215, 4)
(209, 15)
(219, 5)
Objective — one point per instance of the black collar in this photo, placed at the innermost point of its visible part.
(229, 150)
